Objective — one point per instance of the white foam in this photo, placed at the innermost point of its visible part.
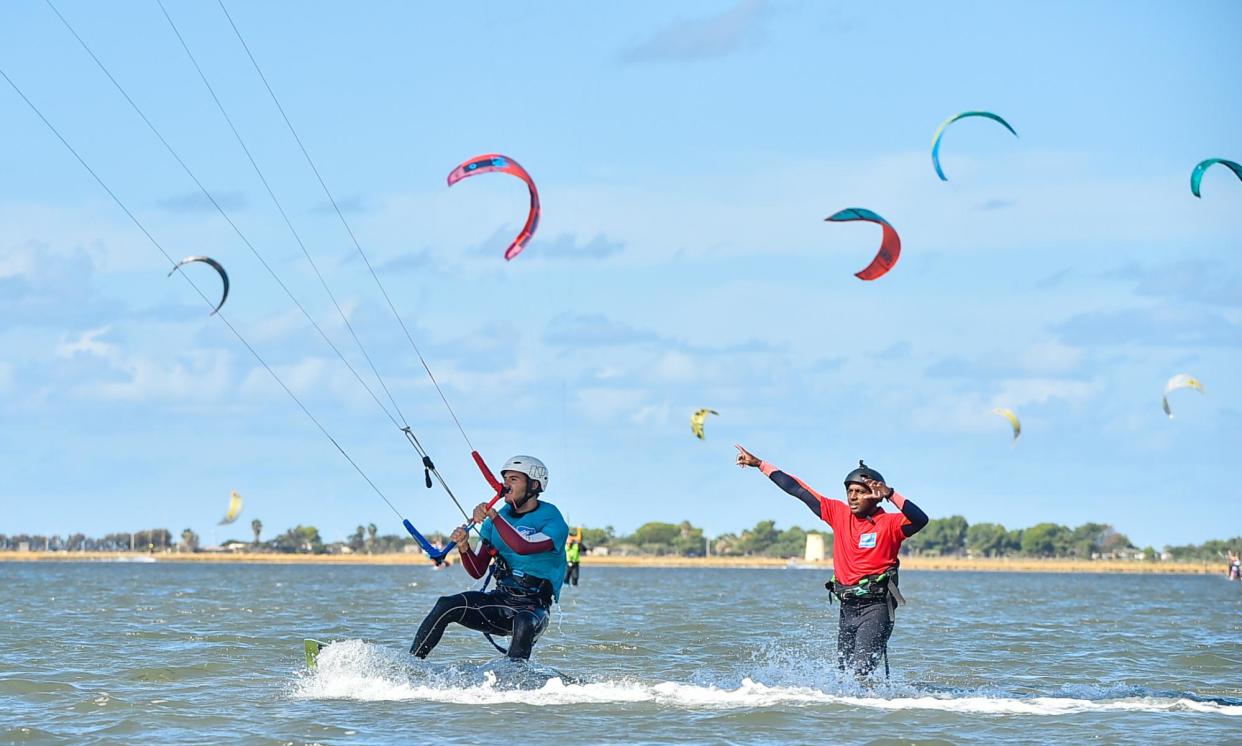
(359, 671)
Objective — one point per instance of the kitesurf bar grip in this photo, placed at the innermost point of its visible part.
(469, 527)
(431, 551)
(487, 473)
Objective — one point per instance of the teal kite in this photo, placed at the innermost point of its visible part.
(224, 276)
(1197, 175)
(940, 133)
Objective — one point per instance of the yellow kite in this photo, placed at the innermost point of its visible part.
(1013, 421)
(235, 509)
(697, 419)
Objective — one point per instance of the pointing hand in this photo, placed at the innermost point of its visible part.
(745, 458)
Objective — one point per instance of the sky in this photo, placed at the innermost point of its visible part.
(686, 156)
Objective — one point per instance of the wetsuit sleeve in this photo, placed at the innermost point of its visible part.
(534, 544)
(476, 562)
(818, 504)
(916, 519)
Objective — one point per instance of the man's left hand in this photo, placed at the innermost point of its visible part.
(879, 489)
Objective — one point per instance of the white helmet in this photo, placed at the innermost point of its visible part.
(532, 467)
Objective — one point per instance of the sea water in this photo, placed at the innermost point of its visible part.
(116, 653)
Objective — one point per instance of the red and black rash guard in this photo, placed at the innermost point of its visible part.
(476, 561)
(860, 546)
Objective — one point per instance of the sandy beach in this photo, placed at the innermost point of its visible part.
(1017, 564)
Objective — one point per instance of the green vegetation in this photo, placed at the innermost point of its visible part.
(953, 536)
(950, 536)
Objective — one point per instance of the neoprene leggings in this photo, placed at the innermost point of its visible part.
(495, 612)
(862, 636)
(571, 573)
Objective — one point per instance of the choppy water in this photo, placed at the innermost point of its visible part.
(115, 653)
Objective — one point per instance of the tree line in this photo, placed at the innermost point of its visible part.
(951, 536)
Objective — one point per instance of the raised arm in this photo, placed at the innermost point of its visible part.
(913, 513)
(791, 484)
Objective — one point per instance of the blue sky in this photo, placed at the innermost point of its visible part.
(686, 155)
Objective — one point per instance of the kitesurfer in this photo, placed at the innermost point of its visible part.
(573, 557)
(865, 543)
(1234, 571)
(524, 545)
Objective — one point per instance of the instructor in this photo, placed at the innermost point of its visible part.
(865, 543)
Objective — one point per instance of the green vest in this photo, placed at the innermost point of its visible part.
(573, 551)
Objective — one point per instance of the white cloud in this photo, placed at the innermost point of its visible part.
(200, 375)
(606, 405)
(35, 233)
(308, 376)
(1051, 357)
(1015, 393)
(193, 375)
(738, 28)
(939, 410)
(89, 343)
(651, 415)
(676, 366)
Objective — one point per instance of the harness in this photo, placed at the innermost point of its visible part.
(536, 591)
(868, 588)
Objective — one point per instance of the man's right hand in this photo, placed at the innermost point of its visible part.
(745, 458)
(461, 538)
(481, 513)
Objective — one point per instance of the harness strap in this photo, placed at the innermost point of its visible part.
(491, 570)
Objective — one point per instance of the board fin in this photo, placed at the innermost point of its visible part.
(312, 648)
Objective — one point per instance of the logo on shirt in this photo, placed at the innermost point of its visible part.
(525, 531)
(866, 541)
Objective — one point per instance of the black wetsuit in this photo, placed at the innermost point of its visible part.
(863, 632)
(520, 615)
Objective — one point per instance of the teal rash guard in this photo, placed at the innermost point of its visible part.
(531, 543)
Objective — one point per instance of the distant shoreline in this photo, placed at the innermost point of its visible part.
(963, 564)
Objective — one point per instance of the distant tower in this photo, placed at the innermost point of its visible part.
(814, 547)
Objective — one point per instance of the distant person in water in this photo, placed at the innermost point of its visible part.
(865, 543)
(524, 544)
(573, 557)
(1235, 566)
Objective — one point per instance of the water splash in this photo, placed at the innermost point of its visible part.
(356, 670)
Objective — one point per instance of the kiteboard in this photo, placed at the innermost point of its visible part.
(312, 648)
(503, 673)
